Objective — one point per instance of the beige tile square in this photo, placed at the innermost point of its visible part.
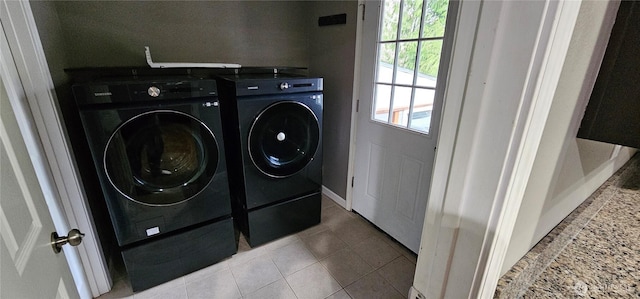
(334, 217)
(279, 243)
(375, 252)
(172, 289)
(279, 289)
(355, 230)
(313, 282)
(292, 258)
(346, 266)
(217, 285)
(312, 230)
(255, 274)
(324, 244)
(399, 273)
(327, 202)
(373, 286)
(245, 256)
(412, 257)
(197, 275)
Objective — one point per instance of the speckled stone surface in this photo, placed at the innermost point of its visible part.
(593, 253)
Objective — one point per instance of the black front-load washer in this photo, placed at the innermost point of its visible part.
(273, 125)
(158, 150)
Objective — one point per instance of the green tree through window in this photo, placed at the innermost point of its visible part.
(434, 21)
(409, 48)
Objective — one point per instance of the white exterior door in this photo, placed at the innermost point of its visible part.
(398, 114)
(29, 268)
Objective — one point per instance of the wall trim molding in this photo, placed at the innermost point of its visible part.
(353, 127)
(415, 294)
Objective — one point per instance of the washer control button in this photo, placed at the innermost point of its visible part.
(153, 91)
(284, 85)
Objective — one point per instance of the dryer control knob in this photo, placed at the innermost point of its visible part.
(284, 85)
(153, 91)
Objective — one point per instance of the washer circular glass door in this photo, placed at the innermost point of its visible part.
(161, 157)
(283, 139)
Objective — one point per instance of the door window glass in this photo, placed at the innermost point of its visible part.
(161, 158)
(409, 48)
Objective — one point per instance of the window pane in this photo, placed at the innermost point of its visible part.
(404, 95)
(382, 101)
(390, 15)
(429, 62)
(401, 102)
(406, 62)
(422, 107)
(411, 13)
(385, 62)
(435, 18)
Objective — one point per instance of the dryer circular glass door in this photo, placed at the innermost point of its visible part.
(283, 139)
(161, 157)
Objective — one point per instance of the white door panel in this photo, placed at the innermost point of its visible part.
(390, 188)
(396, 137)
(29, 268)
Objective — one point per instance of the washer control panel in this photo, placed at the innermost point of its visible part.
(134, 91)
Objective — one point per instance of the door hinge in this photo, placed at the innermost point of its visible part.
(364, 6)
(357, 105)
(352, 179)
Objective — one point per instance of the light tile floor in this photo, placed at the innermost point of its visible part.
(342, 257)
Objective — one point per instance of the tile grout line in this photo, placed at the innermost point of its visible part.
(383, 238)
(235, 281)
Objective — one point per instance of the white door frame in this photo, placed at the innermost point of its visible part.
(35, 78)
(517, 52)
(487, 144)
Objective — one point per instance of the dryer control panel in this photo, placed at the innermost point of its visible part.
(248, 86)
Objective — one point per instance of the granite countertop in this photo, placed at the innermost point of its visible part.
(593, 253)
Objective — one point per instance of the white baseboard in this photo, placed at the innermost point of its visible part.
(333, 196)
(414, 294)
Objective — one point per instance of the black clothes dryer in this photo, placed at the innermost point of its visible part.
(159, 153)
(273, 126)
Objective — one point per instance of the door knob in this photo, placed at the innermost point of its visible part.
(74, 238)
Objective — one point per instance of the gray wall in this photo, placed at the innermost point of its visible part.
(251, 33)
(51, 38)
(332, 56)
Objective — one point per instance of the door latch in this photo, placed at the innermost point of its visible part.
(74, 238)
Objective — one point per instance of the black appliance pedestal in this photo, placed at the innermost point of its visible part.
(162, 260)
